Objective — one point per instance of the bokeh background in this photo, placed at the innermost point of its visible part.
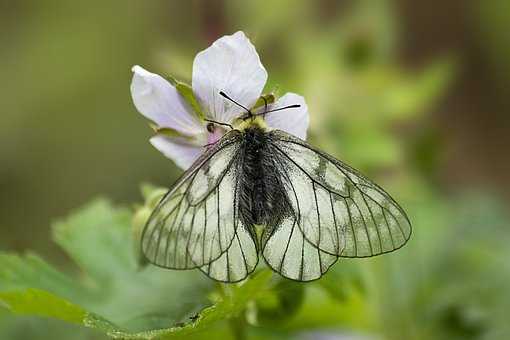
(413, 93)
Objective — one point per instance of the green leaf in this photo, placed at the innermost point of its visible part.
(187, 93)
(101, 228)
(99, 239)
(42, 303)
(20, 273)
(227, 307)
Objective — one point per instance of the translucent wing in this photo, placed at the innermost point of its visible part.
(237, 262)
(194, 225)
(287, 252)
(241, 258)
(285, 248)
(337, 210)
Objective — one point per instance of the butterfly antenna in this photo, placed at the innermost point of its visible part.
(224, 95)
(294, 106)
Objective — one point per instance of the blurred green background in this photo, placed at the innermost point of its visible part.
(413, 93)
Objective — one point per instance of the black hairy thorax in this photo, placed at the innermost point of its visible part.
(261, 198)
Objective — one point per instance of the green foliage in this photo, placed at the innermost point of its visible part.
(112, 294)
(42, 303)
(133, 303)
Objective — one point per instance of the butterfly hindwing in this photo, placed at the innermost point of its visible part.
(288, 253)
(241, 258)
(237, 262)
(284, 246)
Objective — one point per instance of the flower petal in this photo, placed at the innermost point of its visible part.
(182, 152)
(233, 66)
(156, 99)
(295, 120)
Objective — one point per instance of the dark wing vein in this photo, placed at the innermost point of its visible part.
(285, 249)
(365, 219)
(193, 224)
(241, 257)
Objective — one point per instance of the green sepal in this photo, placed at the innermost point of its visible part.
(270, 98)
(140, 218)
(165, 131)
(186, 92)
(152, 195)
(168, 132)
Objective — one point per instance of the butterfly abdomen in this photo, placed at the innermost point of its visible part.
(260, 197)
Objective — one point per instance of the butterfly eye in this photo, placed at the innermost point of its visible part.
(210, 127)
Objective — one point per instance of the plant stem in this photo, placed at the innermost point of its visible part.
(238, 327)
(238, 323)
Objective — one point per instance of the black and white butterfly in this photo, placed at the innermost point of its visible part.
(261, 193)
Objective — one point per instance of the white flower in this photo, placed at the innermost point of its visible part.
(231, 64)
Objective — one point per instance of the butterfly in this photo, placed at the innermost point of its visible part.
(261, 193)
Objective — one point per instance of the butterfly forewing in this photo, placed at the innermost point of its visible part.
(194, 224)
(340, 211)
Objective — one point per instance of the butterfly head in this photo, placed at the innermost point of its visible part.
(250, 122)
